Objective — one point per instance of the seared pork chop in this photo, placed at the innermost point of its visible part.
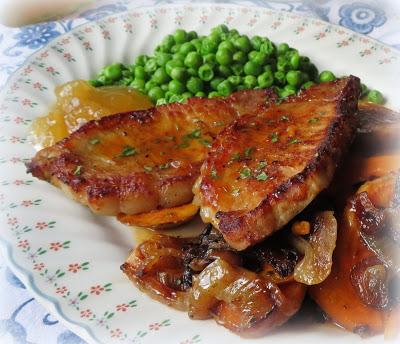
(135, 162)
(264, 169)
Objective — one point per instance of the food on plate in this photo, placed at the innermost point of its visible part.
(264, 169)
(140, 161)
(185, 64)
(77, 102)
(161, 219)
(362, 292)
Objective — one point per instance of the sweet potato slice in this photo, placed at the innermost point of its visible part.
(161, 219)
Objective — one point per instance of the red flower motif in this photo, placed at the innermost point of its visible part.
(18, 182)
(74, 267)
(23, 243)
(86, 44)
(12, 221)
(96, 289)
(39, 267)
(55, 246)
(15, 160)
(128, 26)
(37, 85)
(112, 20)
(44, 54)
(61, 290)
(86, 313)
(116, 333)
(41, 225)
(367, 52)
(26, 102)
(65, 41)
(88, 29)
(154, 327)
(50, 69)
(18, 120)
(68, 56)
(344, 43)
(26, 203)
(28, 70)
(122, 307)
(14, 87)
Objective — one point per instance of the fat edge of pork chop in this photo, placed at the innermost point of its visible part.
(139, 161)
(262, 170)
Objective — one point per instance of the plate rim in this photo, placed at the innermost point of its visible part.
(7, 249)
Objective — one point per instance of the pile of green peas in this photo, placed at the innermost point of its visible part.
(186, 65)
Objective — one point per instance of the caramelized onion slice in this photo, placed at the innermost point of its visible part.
(316, 265)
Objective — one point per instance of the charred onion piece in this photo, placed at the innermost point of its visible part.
(318, 249)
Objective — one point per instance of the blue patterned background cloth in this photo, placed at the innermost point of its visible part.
(22, 319)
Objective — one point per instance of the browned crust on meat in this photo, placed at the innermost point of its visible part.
(122, 184)
(243, 228)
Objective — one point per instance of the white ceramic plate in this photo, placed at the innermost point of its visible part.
(70, 258)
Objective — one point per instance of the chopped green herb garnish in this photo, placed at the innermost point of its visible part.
(292, 141)
(262, 176)
(245, 173)
(235, 156)
(313, 120)
(78, 170)
(148, 168)
(184, 144)
(218, 123)
(284, 118)
(205, 143)
(94, 141)
(260, 166)
(235, 192)
(274, 137)
(249, 151)
(195, 134)
(128, 151)
(213, 173)
(164, 166)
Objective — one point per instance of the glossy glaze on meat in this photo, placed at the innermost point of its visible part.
(264, 169)
(139, 161)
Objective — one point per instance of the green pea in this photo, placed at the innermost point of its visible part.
(186, 48)
(126, 73)
(105, 81)
(151, 65)
(237, 69)
(149, 85)
(206, 72)
(187, 95)
(194, 85)
(162, 58)
(295, 61)
(252, 68)
(265, 79)
(213, 94)
(290, 88)
(193, 60)
(259, 57)
(164, 87)
(180, 36)
(225, 88)
(285, 93)
(267, 47)
(200, 94)
(192, 71)
(168, 94)
(282, 64)
(364, 90)
(293, 77)
(280, 78)
(176, 87)
(175, 48)
(209, 45)
(138, 84)
(226, 45)
(155, 93)
(224, 71)
(113, 71)
(242, 43)
(175, 98)
(167, 43)
(210, 59)
(192, 35)
(223, 56)
(161, 101)
(197, 44)
(179, 73)
(282, 48)
(215, 82)
(307, 85)
(141, 60)
(256, 42)
(375, 96)
(252, 54)
(178, 56)
(95, 83)
(250, 81)
(241, 87)
(160, 76)
(326, 75)
(220, 29)
(239, 57)
(234, 80)
(171, 65)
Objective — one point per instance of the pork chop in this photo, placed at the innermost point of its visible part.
(264, 169)
(135, 162)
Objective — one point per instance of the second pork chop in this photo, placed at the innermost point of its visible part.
(139, 161)
(264, 169)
